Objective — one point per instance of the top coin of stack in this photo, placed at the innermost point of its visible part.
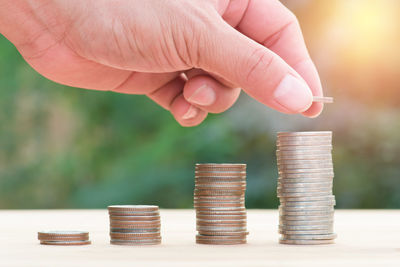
(64, 238)
(305, 187)
(219, 203)
(134, 225)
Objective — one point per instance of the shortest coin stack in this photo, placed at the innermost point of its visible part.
(64, 238)
(132, 225)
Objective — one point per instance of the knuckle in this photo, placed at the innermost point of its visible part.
(257, 66)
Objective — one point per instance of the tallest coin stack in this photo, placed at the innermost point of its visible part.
(305, 188)
(219, 203)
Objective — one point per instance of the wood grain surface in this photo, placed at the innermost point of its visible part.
(365, 238)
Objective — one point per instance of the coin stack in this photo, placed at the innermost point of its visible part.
(134, 225)
(305, 188)
(64, 238)
(219, 203)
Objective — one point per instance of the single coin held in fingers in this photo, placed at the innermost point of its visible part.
(323, 99)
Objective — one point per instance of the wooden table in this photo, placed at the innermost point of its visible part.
(365, 238)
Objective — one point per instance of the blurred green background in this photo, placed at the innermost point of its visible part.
(64, 147)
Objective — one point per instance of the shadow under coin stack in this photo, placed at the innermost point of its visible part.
(132, 225)
(219, 202)
(305, 182)
(64, 238)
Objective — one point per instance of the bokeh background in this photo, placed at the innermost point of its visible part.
(63, 147)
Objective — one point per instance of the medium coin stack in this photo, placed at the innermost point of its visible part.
(305, 188)
(132, 225)
(64, 238)
(219, 202)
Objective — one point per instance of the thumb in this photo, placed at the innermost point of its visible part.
(257, 70)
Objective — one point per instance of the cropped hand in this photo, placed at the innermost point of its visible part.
(189, 56)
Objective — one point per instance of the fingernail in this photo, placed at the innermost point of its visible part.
(203, 96)
(293, 94)
(190, 113)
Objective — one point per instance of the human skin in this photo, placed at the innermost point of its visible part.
(189, 56)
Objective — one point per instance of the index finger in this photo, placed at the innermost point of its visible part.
(271, 24)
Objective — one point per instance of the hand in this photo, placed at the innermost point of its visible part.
(189, 56)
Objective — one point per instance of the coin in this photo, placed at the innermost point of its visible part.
(309, 171)
(133, 208)
(283, 184)
(303, 189)
(51, 234)
(134, 235)
(304, 138)
(307, 242)
(135, 218)
(306, 213)
(323, 99)
(326, 226)
(308, 133)
(304, 223)
(65, 243)
(305, 232)
(321, 142)
(305, 181)
(309, 237)
(225, 233)
(311, 200)
(220, 175)
(133, 243)
(134, 230)
(67, 238)
(303, 161)
(221, 242)
(306, 217)
(309, 194)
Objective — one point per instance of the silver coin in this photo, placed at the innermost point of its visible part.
(304, 189)
(309, 237)
(289, 162)
(318, 203)
(283, 184)
(133, 230)
(318, 175)
(309, 208)
(304, 223)
(220, 229)
(301, 152)
(328, 212)
(309, 171)
(305, 232)
(216, 233)
(234, 199)
(284, 167)
(306, 217)
(326, 226)
(304, 157)
(65, 243)
(321, 146)
(307, 133)
(304, 138)
(133, 213)
(304, 194)
(305, 181)
(130, 243)
(309, 199)
(307, 242)
(221, 222)
(320, 142)
(303, 161)
(133, 208)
